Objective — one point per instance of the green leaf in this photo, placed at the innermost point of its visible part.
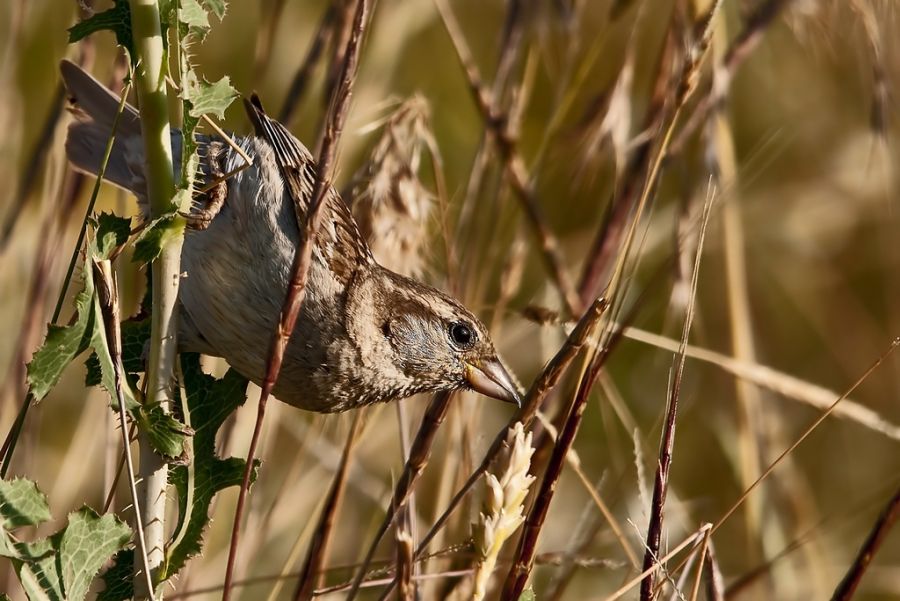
(37, 567)
(116, 19)
(119, 578)
(193, 15)
(87, 543)
(184, 196)
(22, 504)
(528, 595)
(209, 402)
(167, 435)
(210, 98)
(217, 7)
(111, 231)
(61, 566)
(150, 242)
(190, 161)
(63, 343)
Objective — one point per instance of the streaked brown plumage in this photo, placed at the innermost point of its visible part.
(365, 334)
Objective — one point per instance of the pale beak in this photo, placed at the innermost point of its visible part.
(491, 379)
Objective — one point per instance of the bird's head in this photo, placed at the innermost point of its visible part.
(427, 339)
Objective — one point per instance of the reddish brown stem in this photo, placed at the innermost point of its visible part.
(419, 454)
(304, 72)
(533, 400)
(715, 584)
(667, 442)
(318, 548)
(527, 548)
(343, 28)
(628, 189)
(35, 161)
(302, 259)
(536, 395)
(847, 587)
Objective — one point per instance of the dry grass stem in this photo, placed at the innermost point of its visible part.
(306, 533)
(528, 159)
(667, 440)
(695, 589)
(33, 165)
(523, 560)
(695, 539)
(612, 124)
(607, 240)
(880, 112)
(894, 344)
(755, 26)
(9, 443)
(687, 84)
(779, 382)
(502, 93)
(550, 559)
(589, 525)
(43, 145)
(265, 35)
(570, 416)
(340, 41)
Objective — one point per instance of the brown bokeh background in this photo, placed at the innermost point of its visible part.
(812, 182)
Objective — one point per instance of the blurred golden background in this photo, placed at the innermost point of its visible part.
(800, 272)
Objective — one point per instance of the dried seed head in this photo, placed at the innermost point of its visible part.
(502, 511)
(390, 203)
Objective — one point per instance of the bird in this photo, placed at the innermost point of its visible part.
(365, 334)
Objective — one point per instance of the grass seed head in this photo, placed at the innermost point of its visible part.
(502, 512)
(390, 203)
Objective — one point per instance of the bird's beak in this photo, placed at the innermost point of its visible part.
(491, 379)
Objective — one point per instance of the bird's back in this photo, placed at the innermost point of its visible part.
(237, 269)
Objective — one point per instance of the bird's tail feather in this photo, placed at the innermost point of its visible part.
(95, 108)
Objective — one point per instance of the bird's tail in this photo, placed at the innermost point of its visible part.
(95, 108)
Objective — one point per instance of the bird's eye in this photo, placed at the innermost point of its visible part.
(462, 335)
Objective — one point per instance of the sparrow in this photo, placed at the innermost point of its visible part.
(365, 334)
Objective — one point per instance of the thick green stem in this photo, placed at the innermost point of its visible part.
(150, 84)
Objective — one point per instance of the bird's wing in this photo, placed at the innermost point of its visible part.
(338, 239)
